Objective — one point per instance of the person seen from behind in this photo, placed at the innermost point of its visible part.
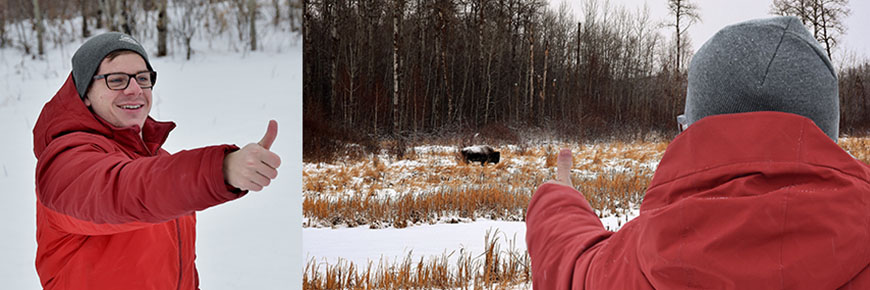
(114, 210)
(754, 194)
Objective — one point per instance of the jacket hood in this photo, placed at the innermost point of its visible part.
(66, 113)
(764, 199)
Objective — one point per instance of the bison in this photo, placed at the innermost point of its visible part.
(480, 153)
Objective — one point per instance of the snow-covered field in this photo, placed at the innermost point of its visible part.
(361, 245)
(433, 169)
(218, 97)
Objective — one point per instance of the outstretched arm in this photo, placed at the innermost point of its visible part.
(91, 188)
(562, 232)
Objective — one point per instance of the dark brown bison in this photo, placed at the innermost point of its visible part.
(480, 153)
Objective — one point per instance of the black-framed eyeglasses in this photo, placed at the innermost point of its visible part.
(120, 81)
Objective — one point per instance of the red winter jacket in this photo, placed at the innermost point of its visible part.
(760, 200)
(115, 212)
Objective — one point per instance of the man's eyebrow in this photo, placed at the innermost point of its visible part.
(118, 72)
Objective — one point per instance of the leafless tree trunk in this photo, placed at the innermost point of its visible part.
(109, 13)
(546, 66)
(5, 15)
(579, 109)
(162, 21)
(306, 36)
(352, 87)
(23, 36)
(399, 9)
(126, 24)
(332, 14)
(99, 14)
(481, 20)
(490, 50)
(252, 17)
(291, 14)
(189, 14)
(444, 37)
(530, 86)
(277, 7)
(40, 27)
(685, 14)
(83, 7)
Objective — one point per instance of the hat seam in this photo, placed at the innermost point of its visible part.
(775, 53)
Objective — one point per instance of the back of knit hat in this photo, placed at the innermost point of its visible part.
(764, 65)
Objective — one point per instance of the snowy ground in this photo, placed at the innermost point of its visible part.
(361, 245)
(333, 244)
(216, 98)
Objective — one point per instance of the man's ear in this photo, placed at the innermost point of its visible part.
(87, 101)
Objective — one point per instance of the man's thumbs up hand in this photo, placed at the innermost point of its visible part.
(254, 166)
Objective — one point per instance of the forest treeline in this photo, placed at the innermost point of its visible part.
(379, 69)
(31, 25)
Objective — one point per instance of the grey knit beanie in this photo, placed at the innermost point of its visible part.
(769, 64)
(88, 57)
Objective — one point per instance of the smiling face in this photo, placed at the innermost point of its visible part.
(126, 107)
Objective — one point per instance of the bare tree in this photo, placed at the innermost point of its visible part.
(293, 14)
(823, 17)
(126, 17)
(398, 10)
(99, 14)
(83, 7)
(189, 15)
(161, 27)
(685, 14)
(39, 26)
(107, 8)
(277, 7)
(3, 19)
(252, 17)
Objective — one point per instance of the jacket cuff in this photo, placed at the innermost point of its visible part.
(225, 190)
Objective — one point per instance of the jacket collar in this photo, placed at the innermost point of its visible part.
(763, 139)
(66, 113)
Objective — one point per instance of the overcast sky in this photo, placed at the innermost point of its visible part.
(718, 14)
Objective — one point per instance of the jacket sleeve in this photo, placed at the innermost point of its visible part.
(562, 234)
(103, 191)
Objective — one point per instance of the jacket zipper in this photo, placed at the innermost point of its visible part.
(180, 264)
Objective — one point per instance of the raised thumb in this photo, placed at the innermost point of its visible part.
(563, 166)
(271, 133)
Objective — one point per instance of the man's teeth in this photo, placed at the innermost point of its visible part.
(131, 107)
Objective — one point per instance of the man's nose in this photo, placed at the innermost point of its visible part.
(132, 87)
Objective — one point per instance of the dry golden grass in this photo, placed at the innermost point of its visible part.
(432, 185)
(435, 186)
(496, 268)
(858, 147)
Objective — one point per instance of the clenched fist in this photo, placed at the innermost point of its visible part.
(254, 166)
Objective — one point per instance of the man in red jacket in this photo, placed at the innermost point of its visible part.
(114, 210)
(755, 194)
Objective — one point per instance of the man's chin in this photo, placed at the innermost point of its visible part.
(132, 123)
